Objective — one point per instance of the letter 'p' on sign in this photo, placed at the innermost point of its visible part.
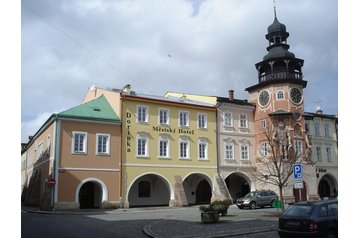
(297, 172)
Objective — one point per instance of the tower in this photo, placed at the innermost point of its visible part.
(278, 95)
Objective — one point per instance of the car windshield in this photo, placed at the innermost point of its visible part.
(252, 194)
(299, 211)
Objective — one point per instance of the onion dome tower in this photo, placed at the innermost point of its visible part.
(279, 64)
(278, 95)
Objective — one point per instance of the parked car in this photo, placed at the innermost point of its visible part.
(257, 199)
(310, 219)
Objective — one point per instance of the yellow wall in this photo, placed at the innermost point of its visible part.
(131, 129)
(208, 99)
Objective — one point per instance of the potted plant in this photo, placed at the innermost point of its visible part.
(209, 214)
(221, 206)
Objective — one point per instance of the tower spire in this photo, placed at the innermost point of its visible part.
(274, 8)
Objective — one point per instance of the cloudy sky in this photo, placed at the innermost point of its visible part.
(196, 46)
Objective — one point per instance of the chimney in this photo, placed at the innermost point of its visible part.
(231, 95)
(319, 110)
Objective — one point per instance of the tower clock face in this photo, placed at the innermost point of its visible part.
(264, 98)
(296, 95)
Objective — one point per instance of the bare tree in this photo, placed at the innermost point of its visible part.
(275, 166)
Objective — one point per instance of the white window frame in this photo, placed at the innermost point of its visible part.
(183, 117)
(140, 110)
(244, 151)
(229, 151)
(228, 120)
(243, 120)
(202, 121)
(205, 152)
(265, 148)
(107, 146)
(278, 94)
(319, 153)
(163, 112)
(187, 152)
(146, 146)
(40, 150)
(316, 128)
(263, 123)
(84, 151)
(167, 147)
(329, 154)
(326, 129)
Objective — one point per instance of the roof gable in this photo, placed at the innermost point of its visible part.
(97, 110)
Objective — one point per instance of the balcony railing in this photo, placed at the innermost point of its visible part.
(281, 75)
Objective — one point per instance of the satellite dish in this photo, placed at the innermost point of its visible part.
(92, 87)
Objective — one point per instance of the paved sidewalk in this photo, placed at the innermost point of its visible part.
(183, 229)
(183, 222)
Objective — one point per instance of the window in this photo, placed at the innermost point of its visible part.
(264, 149)
(244, 152)
(79, 142)
(102, 144)
(319, 154)
(316, 129)
(326, 129)
(40, 150)
(202, 120)
(164, 116)
(307, 127)
(142, 113)
(298, 147)
(144, 189)
(229, 151)
(164, 148)
(227, 119)
(184, 149)
(183, 118)
(203, 150)
(263, 123)
(329, 154)
(243, 120)
(142, 145)
(280, 95)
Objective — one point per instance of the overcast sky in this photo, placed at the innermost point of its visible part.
(195, 46)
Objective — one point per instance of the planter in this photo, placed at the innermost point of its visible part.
(209, 217)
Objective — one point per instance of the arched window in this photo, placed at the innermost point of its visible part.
(280, 95)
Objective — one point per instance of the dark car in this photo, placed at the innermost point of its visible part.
(257, 199)
(310, 219)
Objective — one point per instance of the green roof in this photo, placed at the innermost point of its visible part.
(96, 110)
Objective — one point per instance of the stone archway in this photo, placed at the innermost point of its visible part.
(149, 190)
(238, 185)
(91, 193)
(203, 192)
(327, 187)
(198, 189)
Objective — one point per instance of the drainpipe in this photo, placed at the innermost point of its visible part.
(55, 161)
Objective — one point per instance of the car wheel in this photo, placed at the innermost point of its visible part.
(331, 234)
(253, 205)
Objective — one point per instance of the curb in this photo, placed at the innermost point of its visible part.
(195, 230)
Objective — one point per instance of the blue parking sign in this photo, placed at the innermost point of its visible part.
(297, 172)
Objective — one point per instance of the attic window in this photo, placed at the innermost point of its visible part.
(97, 109)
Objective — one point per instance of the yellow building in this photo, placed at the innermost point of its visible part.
(169, 154)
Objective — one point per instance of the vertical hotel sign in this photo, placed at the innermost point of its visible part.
(128, 135)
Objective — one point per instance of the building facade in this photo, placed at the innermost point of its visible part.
(169, 154)
(122, 148)
(73, 161)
